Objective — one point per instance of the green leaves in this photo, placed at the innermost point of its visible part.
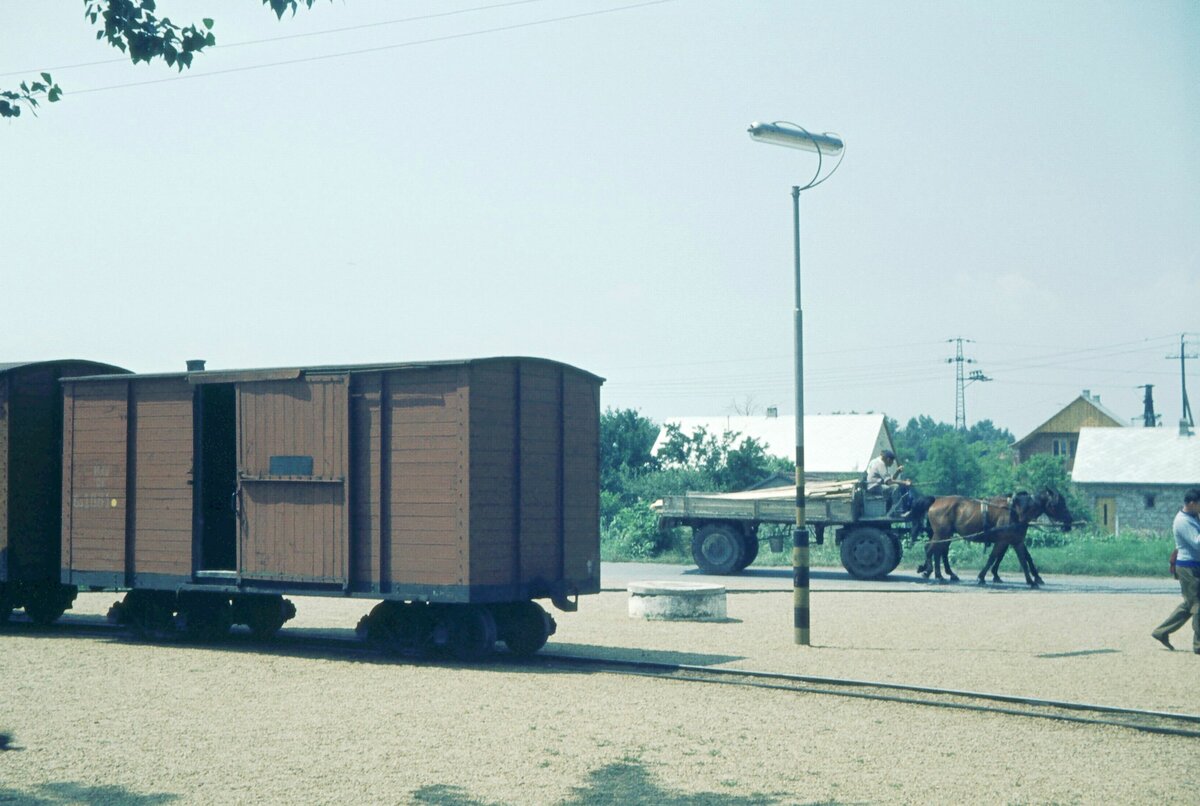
(12, 101)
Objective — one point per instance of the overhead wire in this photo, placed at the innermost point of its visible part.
(284, 37)
(376, 49)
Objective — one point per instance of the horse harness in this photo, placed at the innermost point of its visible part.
(984, 506)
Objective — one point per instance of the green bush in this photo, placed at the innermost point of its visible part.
(633, 535)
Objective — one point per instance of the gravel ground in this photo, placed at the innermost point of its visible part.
(103, 720)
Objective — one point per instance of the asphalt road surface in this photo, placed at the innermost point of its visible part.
(616, 576)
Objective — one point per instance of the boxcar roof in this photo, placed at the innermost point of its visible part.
(95, 365)
(284, 373)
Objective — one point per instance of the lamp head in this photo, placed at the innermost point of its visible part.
(793, 136)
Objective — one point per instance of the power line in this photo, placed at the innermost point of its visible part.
(381, 48)
(267, 40)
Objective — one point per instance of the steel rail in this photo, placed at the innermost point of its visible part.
(843, 687)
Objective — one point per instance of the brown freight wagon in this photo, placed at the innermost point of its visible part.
(457, 491)
(30, 492)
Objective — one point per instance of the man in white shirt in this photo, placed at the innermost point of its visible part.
(883, 477)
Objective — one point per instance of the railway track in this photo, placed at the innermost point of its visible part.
(1159, 722)
(309, 641)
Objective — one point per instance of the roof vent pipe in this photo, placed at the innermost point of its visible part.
(195, 365)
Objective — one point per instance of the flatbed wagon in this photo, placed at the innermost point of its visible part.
(725, 526)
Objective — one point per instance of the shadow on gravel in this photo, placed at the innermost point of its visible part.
(618, 784)
(63, 792)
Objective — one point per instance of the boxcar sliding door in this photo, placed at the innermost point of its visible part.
(293, 471)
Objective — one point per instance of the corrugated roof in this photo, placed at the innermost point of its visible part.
(1136, 456)
(833, 443)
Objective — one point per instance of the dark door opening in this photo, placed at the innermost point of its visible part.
(216, 477)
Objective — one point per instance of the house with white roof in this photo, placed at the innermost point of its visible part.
(836, 446)
(1135, 478)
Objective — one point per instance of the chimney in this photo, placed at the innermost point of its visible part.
(772, 411)
(1087, 394)
(195, 365)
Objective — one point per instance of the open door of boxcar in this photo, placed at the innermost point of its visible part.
(293, 479)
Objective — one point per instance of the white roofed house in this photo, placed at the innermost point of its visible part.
(836, 446)
(1134, 478)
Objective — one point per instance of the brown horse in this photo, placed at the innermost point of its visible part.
(1048, 502)
(1002, 521)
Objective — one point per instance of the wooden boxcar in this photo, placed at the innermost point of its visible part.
(30, 475)
(456, 491)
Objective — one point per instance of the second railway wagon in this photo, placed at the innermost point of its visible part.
(458, 492)
(30, 474)
(725, 526)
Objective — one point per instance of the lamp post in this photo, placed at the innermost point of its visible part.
(782, 133)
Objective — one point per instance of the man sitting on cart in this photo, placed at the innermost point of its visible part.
(883, 479)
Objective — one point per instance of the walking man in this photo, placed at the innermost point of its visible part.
(1187, 567)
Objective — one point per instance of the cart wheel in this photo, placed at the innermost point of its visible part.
(524, 627)
(749, 551)
(470, 632)
(898, 551)
(868, 553)
(717, 548)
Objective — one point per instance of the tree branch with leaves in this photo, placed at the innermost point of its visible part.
(133, 27)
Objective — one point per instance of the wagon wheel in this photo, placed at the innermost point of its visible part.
(897, 552)
(45, 604)
(264, 615)
(749, 551)
(206, 616)
(868, 553)
(524, 627)
(149, 613)
(43, 612)
(717, 548)
(411, 628)
(467, 631)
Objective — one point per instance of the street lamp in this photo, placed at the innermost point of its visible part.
(782, 133)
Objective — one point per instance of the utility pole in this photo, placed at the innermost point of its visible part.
(961, 382)
(1185, 417)
(1149, 418)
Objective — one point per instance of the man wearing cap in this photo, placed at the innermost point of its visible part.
(883, 478)
(1187, 568)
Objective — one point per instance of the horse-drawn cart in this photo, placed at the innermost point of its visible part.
(725, 526)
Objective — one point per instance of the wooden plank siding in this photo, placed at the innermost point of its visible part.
(494, 526)
(541, 524)
(161, 524)
(367, 518)
(581, 458)
(427, 467)
(96, 416)
(294, 528)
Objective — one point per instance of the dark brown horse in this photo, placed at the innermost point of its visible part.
(1001, 521)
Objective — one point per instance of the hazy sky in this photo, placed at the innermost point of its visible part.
(536, 178)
